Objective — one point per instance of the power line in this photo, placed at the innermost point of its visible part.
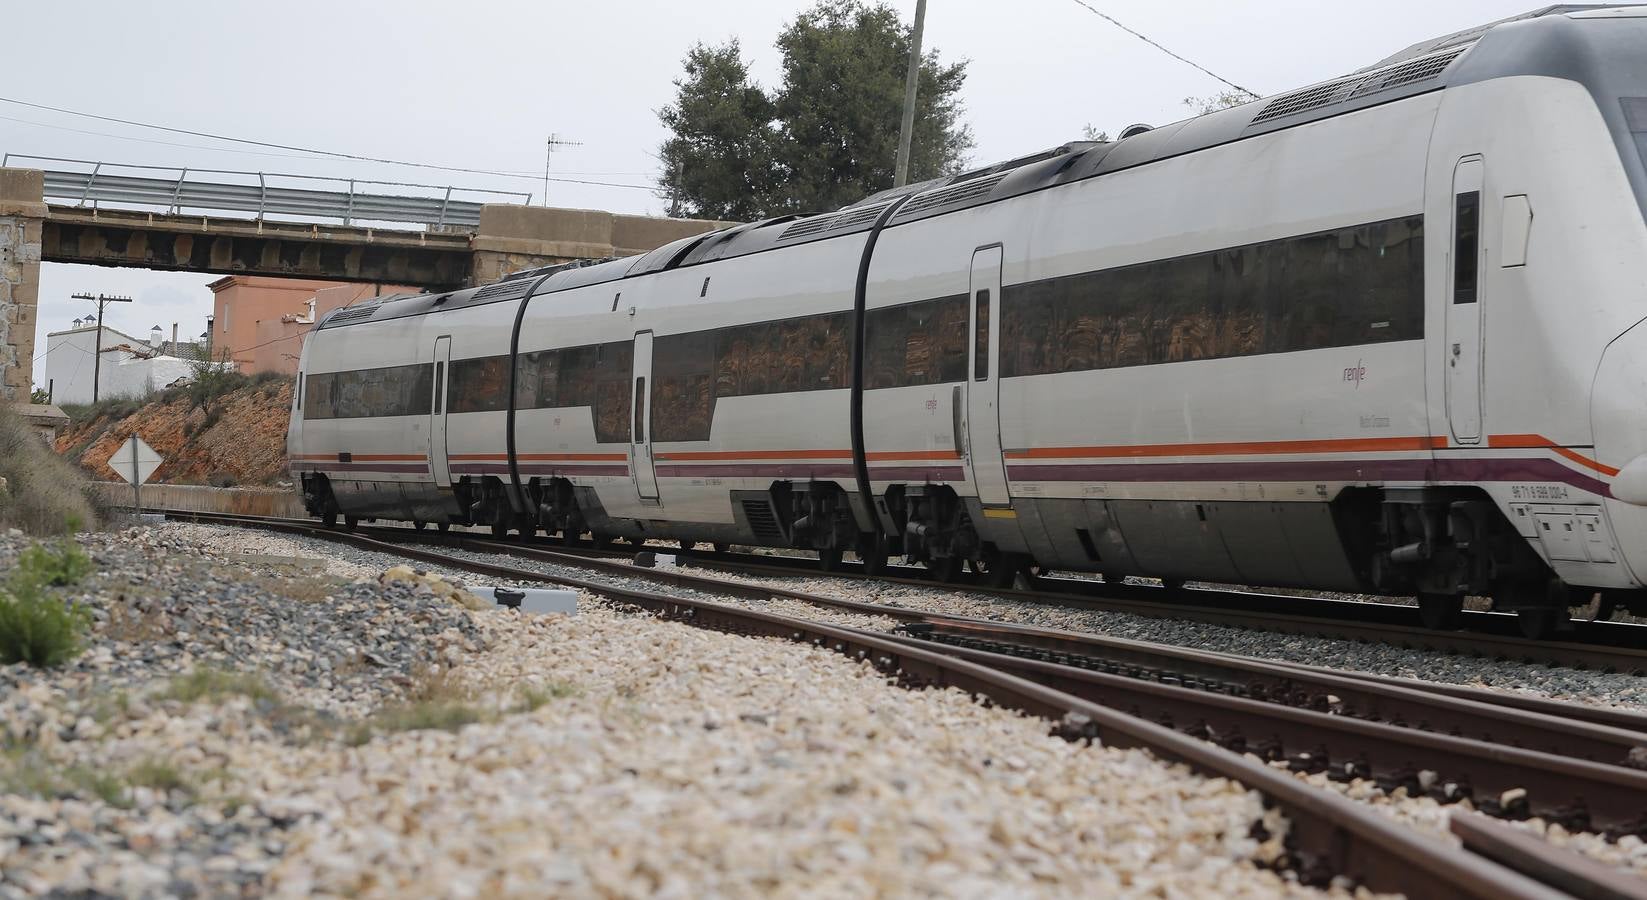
(1112, 20)
(307, 150)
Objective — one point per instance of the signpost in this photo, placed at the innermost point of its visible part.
(135, 461)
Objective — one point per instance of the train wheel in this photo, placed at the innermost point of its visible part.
(947, 569)
(500, 530)
(721, 546)
(349, 522)
(830, 560)
(417, 524)
(568, 537)
(1441, 612)
(872, 551)
(443, 527)
(329, 518)
(1539, 623)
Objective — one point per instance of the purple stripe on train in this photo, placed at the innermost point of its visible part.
(1443, 469)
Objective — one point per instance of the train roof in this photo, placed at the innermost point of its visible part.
(1546, 41)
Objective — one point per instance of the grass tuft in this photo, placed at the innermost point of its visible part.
(158, 775)
(534, 696)
(210, 684)
(437, 702)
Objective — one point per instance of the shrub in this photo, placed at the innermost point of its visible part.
(38, 628)
(58, 566)
(44, 493)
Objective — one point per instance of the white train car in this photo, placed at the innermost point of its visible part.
(1384, 334)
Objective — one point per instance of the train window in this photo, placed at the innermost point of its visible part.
(917, 343)
(1466, 246)
(980, 339)
(640, 410)
(1356, 285)
(1635, 118)
(537, 376)
(683, 396)
(440, 374)
(479, 385)
(366, 393)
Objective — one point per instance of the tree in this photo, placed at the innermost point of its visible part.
(718, 164)
(826, 136)
(1216, 102)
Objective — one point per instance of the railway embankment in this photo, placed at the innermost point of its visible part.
(255, 715)
(230, 431)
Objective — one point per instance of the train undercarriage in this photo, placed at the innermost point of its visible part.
(1442, 545)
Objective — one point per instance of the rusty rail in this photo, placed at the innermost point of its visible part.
(1335, 836)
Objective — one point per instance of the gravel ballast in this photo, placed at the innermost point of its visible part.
(376, 740)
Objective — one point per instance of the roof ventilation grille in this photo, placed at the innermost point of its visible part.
(502, 290)
(853, 218)
(350, 314)
(808, 226)
(950, 196)
(1360, 85)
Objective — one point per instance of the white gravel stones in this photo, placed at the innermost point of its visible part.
(654, 759)
(679, 762)
(1555, 682)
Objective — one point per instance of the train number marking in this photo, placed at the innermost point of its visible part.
(1538, 492)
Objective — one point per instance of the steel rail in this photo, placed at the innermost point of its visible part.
(1603, 734)
(1330, 835)
(1603, 646)
(1556, 866)
(1554, 777)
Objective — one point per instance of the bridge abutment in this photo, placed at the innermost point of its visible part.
(22, 223)
(511, 238)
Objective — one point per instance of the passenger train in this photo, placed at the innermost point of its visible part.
(1383, 334)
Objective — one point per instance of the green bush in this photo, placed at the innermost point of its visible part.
(36, 627)
(58, 566)
(44, 493)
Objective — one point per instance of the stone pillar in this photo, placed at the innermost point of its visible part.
(512, 238)
(22, 218)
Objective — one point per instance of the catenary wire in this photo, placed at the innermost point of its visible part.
(1113, 21)
(309, 150)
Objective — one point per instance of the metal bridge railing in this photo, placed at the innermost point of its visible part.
(105, 183)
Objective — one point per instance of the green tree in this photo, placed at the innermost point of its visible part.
(826, 136)
(718, 163)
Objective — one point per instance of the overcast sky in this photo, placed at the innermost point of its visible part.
(481, 84)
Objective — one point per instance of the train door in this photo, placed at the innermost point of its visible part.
(437, 413)
(640, 436)
(1465, 301)
(982, 452)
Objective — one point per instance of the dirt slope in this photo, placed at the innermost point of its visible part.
(241, 439)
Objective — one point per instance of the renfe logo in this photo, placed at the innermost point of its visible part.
(1356, 373)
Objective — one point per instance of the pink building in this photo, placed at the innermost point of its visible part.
(259, 322)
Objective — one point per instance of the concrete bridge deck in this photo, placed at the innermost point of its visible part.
(509, 238)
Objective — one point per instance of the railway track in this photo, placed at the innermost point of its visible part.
(1512, 756)
(1601, 646)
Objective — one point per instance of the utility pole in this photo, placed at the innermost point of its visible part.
(910, 83)
(97, 357)
(549, 151)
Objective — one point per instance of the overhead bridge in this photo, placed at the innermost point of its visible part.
(233, 223)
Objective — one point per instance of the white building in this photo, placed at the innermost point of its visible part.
(130, 368)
